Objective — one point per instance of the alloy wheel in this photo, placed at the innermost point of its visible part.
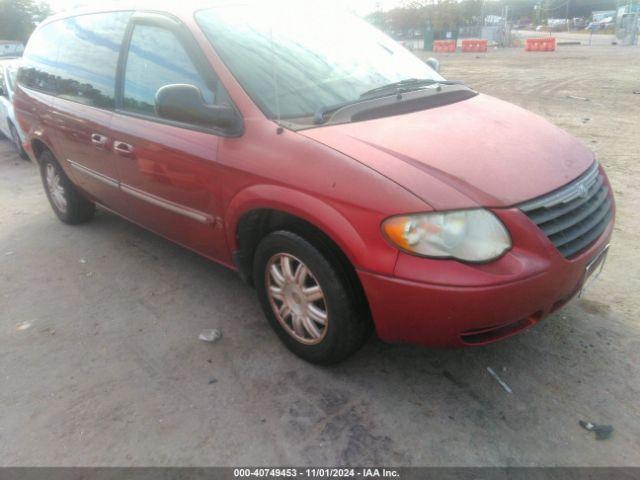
(56, 190)
(297, 299)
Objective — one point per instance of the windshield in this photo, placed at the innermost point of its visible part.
(296, 60)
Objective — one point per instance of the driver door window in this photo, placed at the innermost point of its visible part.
(157, 58)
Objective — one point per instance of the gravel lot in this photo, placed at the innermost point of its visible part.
(100, 362)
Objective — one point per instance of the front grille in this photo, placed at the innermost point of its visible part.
(576, 215)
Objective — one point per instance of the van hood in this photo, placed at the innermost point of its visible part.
(478, 152)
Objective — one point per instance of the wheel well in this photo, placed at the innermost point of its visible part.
(10, 124)
(38, 147)
(257, 224)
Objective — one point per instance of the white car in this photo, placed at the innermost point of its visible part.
(8, 125)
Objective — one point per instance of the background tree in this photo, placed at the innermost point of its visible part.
(443, 15)
(18, 18)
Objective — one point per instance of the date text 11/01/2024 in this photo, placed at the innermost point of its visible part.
(315, 473)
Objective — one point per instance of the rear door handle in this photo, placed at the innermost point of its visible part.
(99, 141)
(123, 149)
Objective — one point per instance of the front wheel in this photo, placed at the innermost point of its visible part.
(67, 203)
(308, 300)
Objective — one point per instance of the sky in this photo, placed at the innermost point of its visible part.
(361, 7)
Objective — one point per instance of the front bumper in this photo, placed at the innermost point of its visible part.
(448, 303)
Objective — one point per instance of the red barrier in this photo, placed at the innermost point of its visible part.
(547, 44)
(474, 45)
(444, 46)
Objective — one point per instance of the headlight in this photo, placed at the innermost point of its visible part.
(468, 235)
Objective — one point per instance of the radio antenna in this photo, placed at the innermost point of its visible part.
(274, 63)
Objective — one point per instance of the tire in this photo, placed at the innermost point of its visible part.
(347, 324)
(15, 138)
(65, 199)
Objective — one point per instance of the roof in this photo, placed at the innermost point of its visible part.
(178, 8)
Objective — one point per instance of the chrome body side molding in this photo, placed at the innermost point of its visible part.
(196, 215)
(93, 174)
(167, 205)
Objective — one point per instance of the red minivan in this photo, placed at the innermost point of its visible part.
(345, 179)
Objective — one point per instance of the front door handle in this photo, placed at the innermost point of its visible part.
(123, 149)
(99, 141)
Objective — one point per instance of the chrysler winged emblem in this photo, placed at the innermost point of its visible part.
(583, 191)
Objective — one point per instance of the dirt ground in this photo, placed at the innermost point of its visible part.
(100, 362)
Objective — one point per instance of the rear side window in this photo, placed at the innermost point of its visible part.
(157, 58)
(88, 58)
(38, 70)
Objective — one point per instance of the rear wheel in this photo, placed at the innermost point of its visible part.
(15, 138)
(67, 203)
(308, 300)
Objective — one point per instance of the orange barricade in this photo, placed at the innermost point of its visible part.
(541, 44)
(444, 46)
(474, 45)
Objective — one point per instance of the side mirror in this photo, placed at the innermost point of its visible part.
(433, 63)
(184, 103)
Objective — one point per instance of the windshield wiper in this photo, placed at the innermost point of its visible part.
(408, 85)
(321, 112)
(400, 87)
